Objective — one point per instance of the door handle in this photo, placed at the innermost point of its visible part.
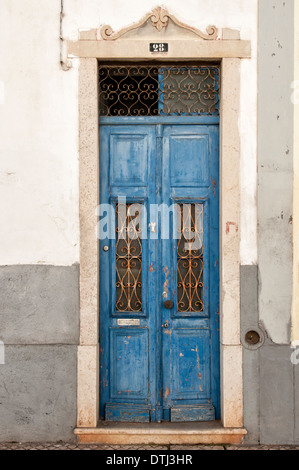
(168, 304)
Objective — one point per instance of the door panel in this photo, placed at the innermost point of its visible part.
(132, 168)
(190, 364)
(127, 318)
(128, 352)
(188, 146)
(190, 179)
(159, 279)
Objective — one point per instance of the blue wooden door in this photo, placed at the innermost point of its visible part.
(159, 270)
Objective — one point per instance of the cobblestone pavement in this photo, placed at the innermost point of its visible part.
(75, 446)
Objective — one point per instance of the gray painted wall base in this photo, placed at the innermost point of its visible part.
(249, 321)
(271, 404)
(38, 394)
(39, 304)
(277, 400)
(39, 318)
(251, 396)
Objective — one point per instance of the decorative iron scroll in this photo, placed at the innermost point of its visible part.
(190, 267)
(168, 90)
(128, 258)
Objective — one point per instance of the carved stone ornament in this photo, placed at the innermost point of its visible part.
(159, 18)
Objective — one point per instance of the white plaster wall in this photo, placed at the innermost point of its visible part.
(295, 98)
(39, 138)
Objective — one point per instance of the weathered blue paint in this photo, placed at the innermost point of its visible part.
(197, 413)
(127, 412)
(151, 373)
(184, 120)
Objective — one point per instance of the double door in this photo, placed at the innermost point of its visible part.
(159, 272)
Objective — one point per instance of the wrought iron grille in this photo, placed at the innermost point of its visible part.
(128, 258)
(190, 264)
(164, 90)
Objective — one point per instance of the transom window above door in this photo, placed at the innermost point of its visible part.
(159, 90)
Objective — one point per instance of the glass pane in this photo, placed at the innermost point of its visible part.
(190, 90)
(190, 268)
(128, 91)
(128, 258)
(169, 90)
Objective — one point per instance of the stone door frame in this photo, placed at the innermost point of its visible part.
(132, 44)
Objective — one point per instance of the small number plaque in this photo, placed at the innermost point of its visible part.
(128, 322)
(158, 47)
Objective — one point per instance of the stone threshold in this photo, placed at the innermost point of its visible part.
(207, 433)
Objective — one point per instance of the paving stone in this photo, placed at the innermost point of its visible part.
(261, 447)
(143, 447)
(196, 448)
(77, 446)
